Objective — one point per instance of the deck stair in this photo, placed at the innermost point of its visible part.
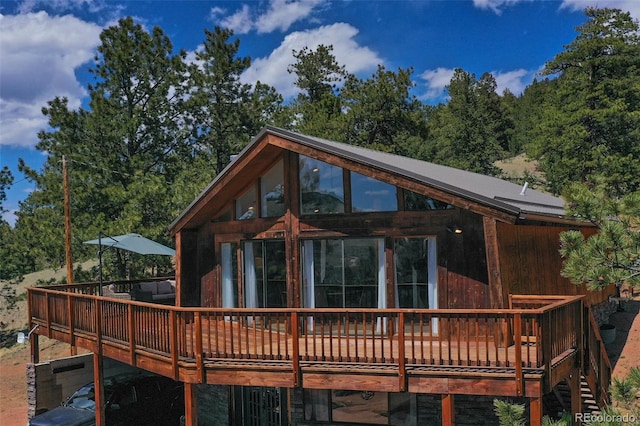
(559, 401)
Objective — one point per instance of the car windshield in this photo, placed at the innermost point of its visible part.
(83, 398)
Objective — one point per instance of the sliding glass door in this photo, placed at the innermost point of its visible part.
(344, 273)
(265, 278)
(416, 274)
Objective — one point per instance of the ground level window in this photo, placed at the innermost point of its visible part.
(360, 407)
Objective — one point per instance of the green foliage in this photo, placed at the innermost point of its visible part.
(625, 392)
(317, 110)
(8, 294)
(611, 256)
(226, 113)
(564, 420)
(6, 180)
(382, 114)
(472, 130)
(509, 414)
(123, 152)
(590, 122)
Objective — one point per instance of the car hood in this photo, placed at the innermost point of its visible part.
(66, 416)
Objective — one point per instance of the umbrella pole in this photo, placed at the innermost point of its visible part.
(100, 262)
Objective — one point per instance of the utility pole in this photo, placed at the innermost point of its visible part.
(67, 220)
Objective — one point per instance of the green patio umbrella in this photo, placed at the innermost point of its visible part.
(130, 242)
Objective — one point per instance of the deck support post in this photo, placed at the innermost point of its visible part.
(98, 388)
(535, 411)
(35, 348)
(573, 379)
(448, 410)
(190, 405)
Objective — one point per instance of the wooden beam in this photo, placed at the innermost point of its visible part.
(535, 411)
(98, 386)
(448, 410)
(190, 405)
(35, 348)
(573, 380)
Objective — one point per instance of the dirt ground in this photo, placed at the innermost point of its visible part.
(624, 354)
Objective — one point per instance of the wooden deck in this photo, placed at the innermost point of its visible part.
(522, 351)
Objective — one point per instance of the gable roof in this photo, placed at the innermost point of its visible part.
(492, 192)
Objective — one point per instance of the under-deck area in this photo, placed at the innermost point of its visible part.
(523, 351)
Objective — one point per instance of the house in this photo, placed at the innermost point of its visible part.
(324, 283)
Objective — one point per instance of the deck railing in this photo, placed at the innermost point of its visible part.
(531, 334)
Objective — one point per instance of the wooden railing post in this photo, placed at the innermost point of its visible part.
(197, 329)
(295, 356)
(402, 365)
(132, 335)
(517, 335)
(72, 339)
(48, 314)
(173, 343)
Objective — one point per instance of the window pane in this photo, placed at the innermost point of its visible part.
(417, 202)
(403, 409)
(272, 191)
(246, 205)
(361, 272)
(316, 405)
(372, 195)
(265, 274)
(360, 407)
(276, 274)
(411, 272)
(321, 187)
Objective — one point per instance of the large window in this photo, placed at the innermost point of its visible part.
(321, 187)
(417, 202)
(360, 407)
(344, 273)
(416, 274)
(272, 191)
(371, 195)
(246, 205)
(265, 279)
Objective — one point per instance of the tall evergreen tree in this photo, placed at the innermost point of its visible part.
(471, 131)
(382, 114)
(124, 151)
(591, 123)
(227, 112)
(317, 109)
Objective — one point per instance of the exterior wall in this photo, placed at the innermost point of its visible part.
(530, 263)
(213, 405)
(471, 410)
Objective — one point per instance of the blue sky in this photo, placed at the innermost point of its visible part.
(46, 46)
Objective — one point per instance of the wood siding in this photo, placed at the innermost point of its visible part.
(530, 263)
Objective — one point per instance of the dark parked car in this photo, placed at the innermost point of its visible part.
(129, 400)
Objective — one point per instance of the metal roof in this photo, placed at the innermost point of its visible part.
(490, 191)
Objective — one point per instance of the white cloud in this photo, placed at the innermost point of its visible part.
(631, 6)
(438, 79)
(436, 82)
(516, 81)
(61, 5)
(240, 22)
(272, 70)
(280, 15)
(283, 13)
(495, 5)
(40, 54)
